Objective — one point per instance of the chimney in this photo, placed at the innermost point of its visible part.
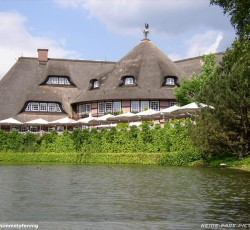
(42, 55)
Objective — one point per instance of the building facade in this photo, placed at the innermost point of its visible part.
(51, 88)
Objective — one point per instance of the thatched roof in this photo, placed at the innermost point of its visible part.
(23, 83)
(25, 80)
(148, 65)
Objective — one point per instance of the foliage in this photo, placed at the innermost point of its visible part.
(190, 89)
(174, 136)
(239, 10)
(226, 128)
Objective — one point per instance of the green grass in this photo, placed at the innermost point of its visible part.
(170, 158)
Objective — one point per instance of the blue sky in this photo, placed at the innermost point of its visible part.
(108, 29)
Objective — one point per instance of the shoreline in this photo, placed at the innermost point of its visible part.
(161, 159)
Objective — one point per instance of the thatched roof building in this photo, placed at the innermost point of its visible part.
(51, 88)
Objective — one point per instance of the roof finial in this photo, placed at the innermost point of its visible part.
(146, 31)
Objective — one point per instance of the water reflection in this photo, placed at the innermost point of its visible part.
(131, 197)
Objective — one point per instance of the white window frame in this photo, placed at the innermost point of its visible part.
(96, 84)
(43, 107)
(28, 107)
(52, 107)
(116, 106)
(144, 105)
(170, 81)
(108, 107)
(101, 107)
(154, 105)
(129, 81)
(34, 106)
(172, 103)
(135, 106)
(58, 81)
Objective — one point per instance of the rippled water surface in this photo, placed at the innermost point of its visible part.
(123, 197)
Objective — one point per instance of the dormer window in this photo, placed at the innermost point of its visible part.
(169, 80)
(43, 107)
(129, 81)
(96, 84)
(58, 81)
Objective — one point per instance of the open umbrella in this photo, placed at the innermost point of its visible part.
(167, 112)
(148, 114)
(191, 108)
(38, 121)
(101, 120)
(86, 120)
(128, 116)
(10, 121)
(63, 121)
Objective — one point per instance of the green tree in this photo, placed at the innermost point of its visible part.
(189, 90)
(227, 126)
(239, 10)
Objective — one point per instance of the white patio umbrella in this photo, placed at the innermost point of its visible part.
(148, 114)
(38, 121)
(101, 120)
(10, 121)
(191, 108)
(63, 121)
(128, 116)
(167, 112)
(85, 120)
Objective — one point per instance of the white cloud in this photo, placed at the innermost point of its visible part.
(166, 16)
(16, 41)
(198, 27)
(205, 43)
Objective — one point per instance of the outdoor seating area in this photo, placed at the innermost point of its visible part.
(106, 121)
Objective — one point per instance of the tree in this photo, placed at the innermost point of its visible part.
(189, 89)
(239, 10)
(227, 89)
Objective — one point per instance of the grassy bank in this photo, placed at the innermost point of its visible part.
(173, 158)
(169, 159)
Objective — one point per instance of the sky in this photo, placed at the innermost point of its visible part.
(109, 29)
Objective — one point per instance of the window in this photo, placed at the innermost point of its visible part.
(96, 84)
(129, 81)
(154, 105)
(42, 107)
(170, 81)
(101, 107)
(34, 106)
(83, 108)
(144, 105)
(56, 80)
(135, 106)
(108, 107)
(172, 103)
(116, 106)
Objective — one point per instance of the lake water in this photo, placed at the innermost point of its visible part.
(123, 197)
